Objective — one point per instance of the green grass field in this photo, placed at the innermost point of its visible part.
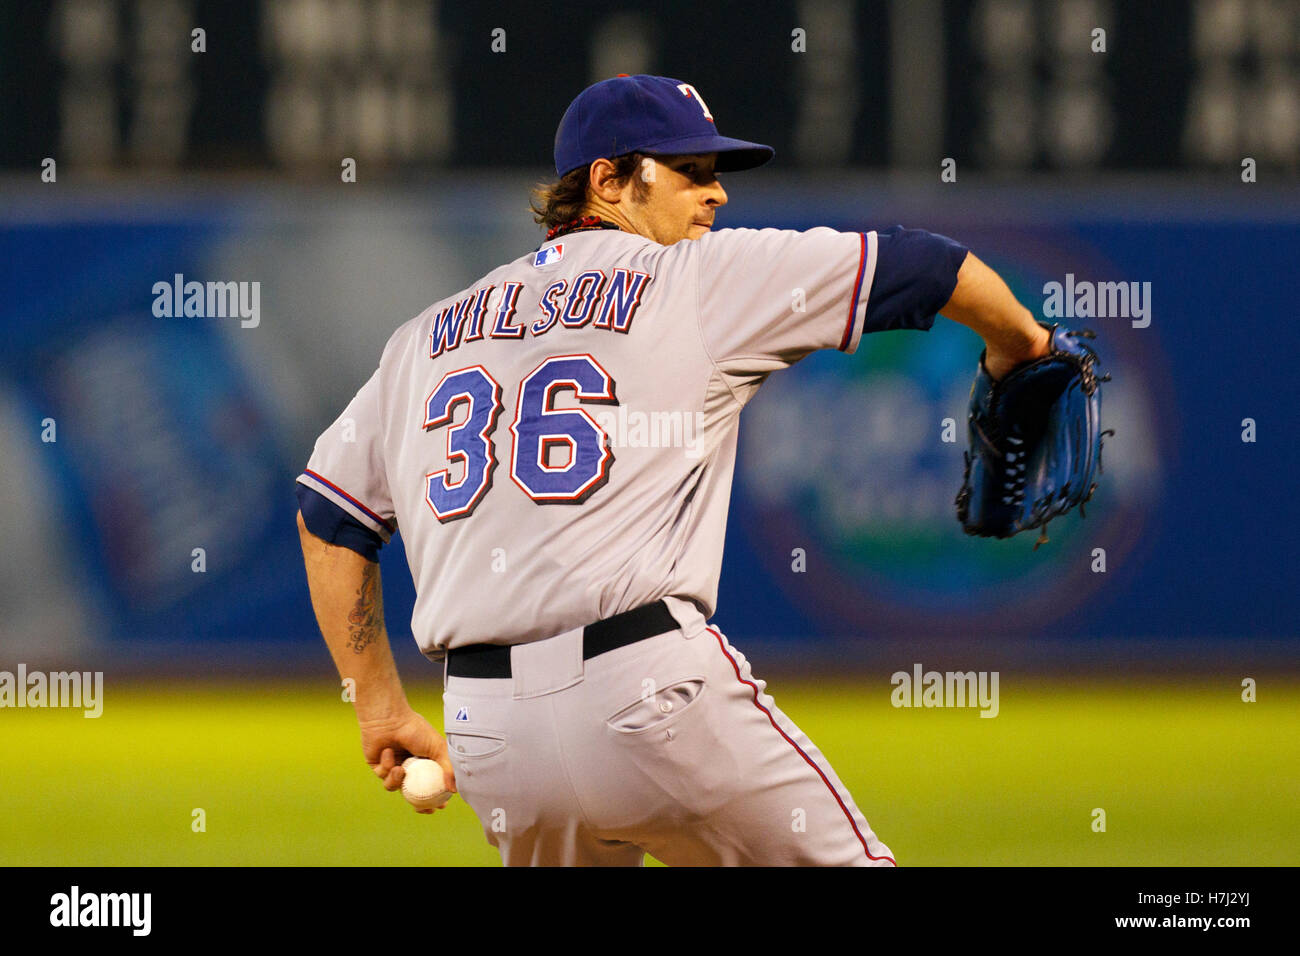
(1187, 773)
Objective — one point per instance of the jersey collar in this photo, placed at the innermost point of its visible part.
(581, 224)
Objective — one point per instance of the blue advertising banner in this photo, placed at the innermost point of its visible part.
(846, 526)
(172, 465)
(167, 472)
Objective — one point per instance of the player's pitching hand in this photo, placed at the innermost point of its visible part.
(387, 741)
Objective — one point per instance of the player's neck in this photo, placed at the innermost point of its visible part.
(609, 213)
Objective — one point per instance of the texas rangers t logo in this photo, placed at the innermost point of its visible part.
(691, 92)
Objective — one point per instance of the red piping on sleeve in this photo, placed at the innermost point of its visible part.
(337, 490)
(857, 290)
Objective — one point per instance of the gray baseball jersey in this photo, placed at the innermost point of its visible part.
(557, 441)
(557, 444)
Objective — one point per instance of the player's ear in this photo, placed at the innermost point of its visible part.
(604, 182)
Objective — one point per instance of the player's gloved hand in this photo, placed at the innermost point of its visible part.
(1035, 439)
(387, 741)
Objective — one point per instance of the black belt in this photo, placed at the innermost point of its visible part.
(493, 660)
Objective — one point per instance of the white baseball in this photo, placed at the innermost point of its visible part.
(424, 786)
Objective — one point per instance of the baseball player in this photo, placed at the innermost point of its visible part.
(566, 564)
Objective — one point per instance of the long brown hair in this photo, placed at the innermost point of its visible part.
(554, 204)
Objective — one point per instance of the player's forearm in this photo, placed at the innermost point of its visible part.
(348, 600)
(982, 301)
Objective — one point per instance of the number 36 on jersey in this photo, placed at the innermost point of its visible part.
(538, 428)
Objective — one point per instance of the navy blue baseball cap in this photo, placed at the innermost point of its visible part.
(646, 114)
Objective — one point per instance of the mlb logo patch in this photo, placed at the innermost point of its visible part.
(549, 256)
(463, 714)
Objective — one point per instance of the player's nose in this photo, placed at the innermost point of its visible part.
(714, 194)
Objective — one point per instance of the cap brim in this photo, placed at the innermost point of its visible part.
(733, 154)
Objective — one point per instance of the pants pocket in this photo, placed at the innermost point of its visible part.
(478, 744)
(658, 710)
(484, 779)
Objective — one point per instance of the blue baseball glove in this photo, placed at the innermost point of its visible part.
(1035, 440)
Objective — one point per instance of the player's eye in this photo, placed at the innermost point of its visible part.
(687, 170)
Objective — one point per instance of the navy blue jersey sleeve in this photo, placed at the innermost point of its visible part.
(916, 272)
(330, 523)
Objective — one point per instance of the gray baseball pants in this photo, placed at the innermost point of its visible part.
(668, 746)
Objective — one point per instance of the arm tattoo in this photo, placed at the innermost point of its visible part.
(366, 619)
